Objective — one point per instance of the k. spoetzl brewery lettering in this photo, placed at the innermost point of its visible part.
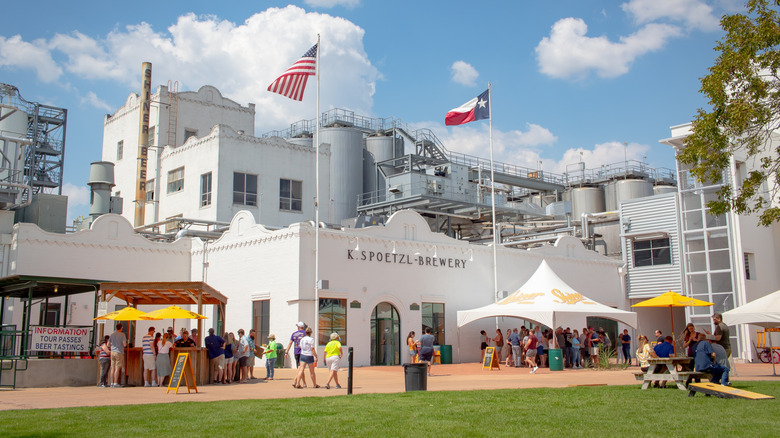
(406, 259)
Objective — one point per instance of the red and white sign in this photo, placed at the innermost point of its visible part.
(60, 339)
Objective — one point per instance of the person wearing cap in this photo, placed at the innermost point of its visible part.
(270, 357)
(295, 339)
(215, 346)
(705, 357)
(333, 353)
(149, 359)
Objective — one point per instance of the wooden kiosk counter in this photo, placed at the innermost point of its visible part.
(198, 356)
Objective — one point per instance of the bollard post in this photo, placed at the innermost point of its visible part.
(349, 373)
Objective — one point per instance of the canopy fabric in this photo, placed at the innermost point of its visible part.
(672, 299)
(127, 314)
(174, 312)
(764, 312)
(547, 300)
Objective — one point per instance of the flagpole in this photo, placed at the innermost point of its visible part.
(317, 205)
(493, 199)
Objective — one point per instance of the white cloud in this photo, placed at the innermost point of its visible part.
(569, 53)
(239, 59)
(464, 73)
(695, 14)
(92, 99)
(331, 3)
(15, 53)
(78, 198)
(603, 154)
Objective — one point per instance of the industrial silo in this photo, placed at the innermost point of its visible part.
(381, 147)
(586, 200)
(13, 124)
(626, 189)
(346, 170)
(101, 181)
(661, 189)
(610, 195)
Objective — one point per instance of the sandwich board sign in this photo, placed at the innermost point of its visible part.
(182, 369)
(491, 360)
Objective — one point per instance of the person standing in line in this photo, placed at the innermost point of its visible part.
(412, 344)
(230, 363)
(164, 357)
(149, 358)
(270, 357)
(585, 344)
(215, 346)
(530, 352)
(333, 353)
(426, 348)
(104, 357)
(483, 344)
(567, 348)
(117, 343)
(507, 345)
(253, 350)
(575, 350)
(498, 341)
(515, 340)
(625, 342)
(308, 359)
(194, 336)
(243, 355)
(594, 347)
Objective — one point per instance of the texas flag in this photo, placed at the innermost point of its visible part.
(477, 108)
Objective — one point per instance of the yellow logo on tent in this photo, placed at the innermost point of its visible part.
(570, 298)
(520, 298)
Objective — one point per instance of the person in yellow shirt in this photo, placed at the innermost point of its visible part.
(333, 353)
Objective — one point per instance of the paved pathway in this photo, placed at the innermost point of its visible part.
(366, 380)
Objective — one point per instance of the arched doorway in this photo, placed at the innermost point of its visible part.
(385, 335)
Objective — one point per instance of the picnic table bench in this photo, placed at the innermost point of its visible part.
(664, 369)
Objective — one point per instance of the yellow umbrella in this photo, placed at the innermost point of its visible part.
(174, 313)
(127, 314)
(672, 299)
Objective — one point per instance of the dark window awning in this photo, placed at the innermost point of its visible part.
(39, 287)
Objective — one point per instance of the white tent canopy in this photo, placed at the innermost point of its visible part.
(547, 300)
(764, 312)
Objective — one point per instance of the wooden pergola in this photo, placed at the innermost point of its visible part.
(167, 294)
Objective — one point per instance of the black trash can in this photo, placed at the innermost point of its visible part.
(279, 356)
(416, 376)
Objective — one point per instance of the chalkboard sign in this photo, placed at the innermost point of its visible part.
(182, 369)
(490, 361)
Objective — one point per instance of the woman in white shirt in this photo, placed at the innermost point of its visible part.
(308, 357)
(163, 361)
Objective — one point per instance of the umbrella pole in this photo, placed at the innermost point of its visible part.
(771, 352)
(674, 342)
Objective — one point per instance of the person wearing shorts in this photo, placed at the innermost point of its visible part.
(308, 359)
(530, 352)
(117, 343)
(426, 348)
(149, 358)
(333, 353)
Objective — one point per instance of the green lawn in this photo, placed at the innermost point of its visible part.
(583, 411)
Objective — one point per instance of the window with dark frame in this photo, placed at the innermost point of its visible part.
(652, 252)
(205, 189)
(433, 317)
(261, 320)
(290, 195)
(120, 149)
(150, 190)
(176, 180)
(244, 188)
(333, 318)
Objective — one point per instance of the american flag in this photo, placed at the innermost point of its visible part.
(292, 82)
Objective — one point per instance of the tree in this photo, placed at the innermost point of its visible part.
(743, 89)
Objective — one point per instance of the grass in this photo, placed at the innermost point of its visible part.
(578, 411)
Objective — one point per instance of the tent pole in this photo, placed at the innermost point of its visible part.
(771, 351)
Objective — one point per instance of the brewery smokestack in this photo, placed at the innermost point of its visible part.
(143, 141)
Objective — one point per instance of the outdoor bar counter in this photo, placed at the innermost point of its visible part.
(198, 357)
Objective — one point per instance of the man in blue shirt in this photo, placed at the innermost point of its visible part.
(664, 349)
(705, 357)
(517, 353)
(216, 349)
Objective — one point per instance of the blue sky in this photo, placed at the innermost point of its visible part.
(570, 78)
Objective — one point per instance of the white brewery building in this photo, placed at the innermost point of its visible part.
(404, 241)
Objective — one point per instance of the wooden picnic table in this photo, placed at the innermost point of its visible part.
(664, 369)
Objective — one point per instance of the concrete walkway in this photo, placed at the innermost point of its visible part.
(468, 376)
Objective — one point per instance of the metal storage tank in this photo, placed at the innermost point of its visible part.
(301, 141)
(610, 195)
(374, 190)
(586, 200)
(632, 189)
(101, 180)
(661, 189)
(346, 170)
(381, 147)
(13, 124)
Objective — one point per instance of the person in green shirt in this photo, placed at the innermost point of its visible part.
(270, 357)
(333, 353)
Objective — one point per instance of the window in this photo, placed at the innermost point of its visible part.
(150, 141)
(244, 189)
(205, 189)
(176, 180)
(150, 190)
(120, 149)
(261, 319)
(189, 133)
(290, 195)
(433, 317)
(652, 252)
(750, 261)
(333, 318)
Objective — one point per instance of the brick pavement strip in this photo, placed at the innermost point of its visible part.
(468, 376)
